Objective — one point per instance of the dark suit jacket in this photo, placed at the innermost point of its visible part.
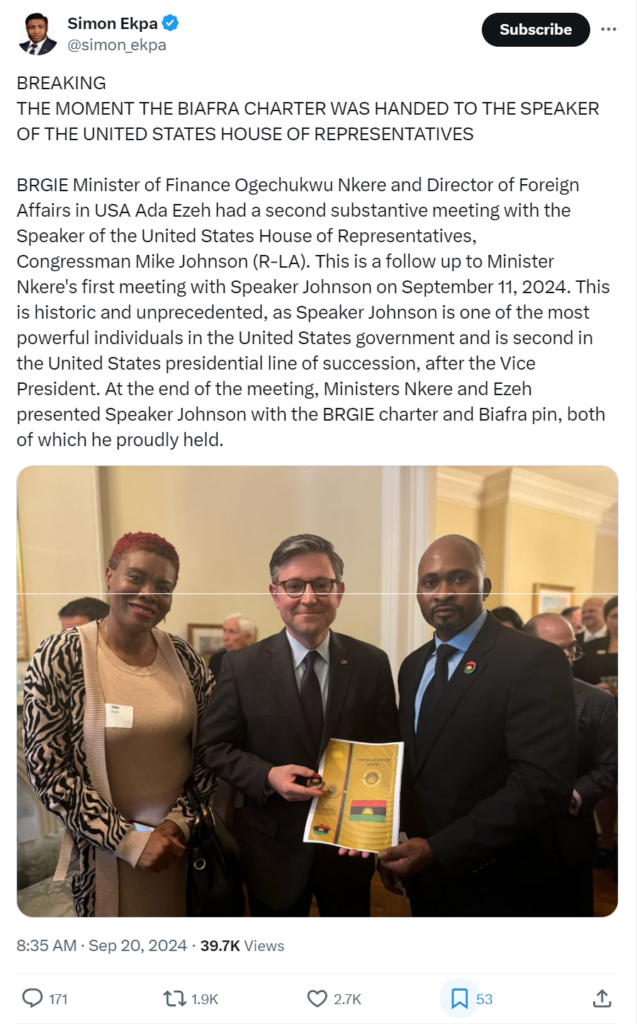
(497, 762)
(597, 662)
(214, 662)
(46, 47)
(596, 712)
(256, 721)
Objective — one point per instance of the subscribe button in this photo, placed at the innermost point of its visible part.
(536, 29)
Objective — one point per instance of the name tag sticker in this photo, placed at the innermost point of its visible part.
(119, 716)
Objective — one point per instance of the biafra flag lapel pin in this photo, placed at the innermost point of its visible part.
(469, 668)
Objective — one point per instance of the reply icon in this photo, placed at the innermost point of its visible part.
(459, 997)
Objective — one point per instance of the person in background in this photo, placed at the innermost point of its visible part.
(81, 611)
(592, 620)
(574, 616)
(238, 632)
(111, 713)
(596, 769)
(599, 665)
(508, 617)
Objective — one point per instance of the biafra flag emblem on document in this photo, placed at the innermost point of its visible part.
(372, 812)
(358, 807)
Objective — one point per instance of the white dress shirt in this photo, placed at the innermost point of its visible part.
(594, 636)
(38, 47)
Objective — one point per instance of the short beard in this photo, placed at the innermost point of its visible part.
(449, 627)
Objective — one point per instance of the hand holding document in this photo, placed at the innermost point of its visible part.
(359, 808)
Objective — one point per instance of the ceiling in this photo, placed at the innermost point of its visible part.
(593, 478)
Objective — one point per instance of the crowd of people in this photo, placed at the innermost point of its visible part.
(510, 734)
(594, 625)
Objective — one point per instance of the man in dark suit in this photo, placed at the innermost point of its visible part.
(37, 31)
(276, 705)
(596, 713)
(488, 718)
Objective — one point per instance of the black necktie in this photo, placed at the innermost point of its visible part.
(436, 686)
(32, 50)
(311, 700)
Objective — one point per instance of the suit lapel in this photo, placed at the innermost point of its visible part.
(280, 671)
(408, 692)
(457, 686)
(340, 675)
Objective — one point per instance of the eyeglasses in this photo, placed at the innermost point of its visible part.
(574, 653)
(296, 588)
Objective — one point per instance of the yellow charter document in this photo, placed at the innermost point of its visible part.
(360, 805)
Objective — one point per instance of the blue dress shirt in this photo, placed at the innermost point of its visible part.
(461, 643)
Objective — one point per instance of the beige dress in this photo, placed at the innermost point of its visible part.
(147, 766)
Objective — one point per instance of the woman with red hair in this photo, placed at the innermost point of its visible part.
(111, 711)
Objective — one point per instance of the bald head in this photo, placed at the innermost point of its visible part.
(452, 586)
(456, 542)
(555, 629)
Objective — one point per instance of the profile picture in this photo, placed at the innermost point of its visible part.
(39, 41)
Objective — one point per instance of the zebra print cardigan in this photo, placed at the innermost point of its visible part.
(64, 749)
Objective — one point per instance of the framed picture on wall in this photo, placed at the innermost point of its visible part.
(206, 640)
(548, 597)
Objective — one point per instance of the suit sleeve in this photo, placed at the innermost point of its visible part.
(541, 745)
(602, 779)
(222, 736)
(387, 728)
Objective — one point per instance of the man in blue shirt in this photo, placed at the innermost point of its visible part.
(488, 719)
